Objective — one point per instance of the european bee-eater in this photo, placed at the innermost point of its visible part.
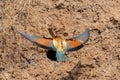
(59, 44)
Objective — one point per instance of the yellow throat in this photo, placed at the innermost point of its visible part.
(60, 44)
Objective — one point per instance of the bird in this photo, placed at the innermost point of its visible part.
(59, 44)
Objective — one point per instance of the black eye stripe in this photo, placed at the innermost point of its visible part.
(62, 44)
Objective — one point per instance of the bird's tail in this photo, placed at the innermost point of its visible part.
(61, 56)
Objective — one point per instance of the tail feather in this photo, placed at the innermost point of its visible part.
(61, 56)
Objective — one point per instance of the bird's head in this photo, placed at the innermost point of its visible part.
(58, 36)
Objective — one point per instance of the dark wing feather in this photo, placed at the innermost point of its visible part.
(78, 41)
(40, 41)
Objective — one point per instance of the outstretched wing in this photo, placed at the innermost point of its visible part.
(78, 41)
(40, 41)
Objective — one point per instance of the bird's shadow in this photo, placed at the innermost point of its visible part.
(51, 55)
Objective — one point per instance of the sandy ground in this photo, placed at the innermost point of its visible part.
(99, 59)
